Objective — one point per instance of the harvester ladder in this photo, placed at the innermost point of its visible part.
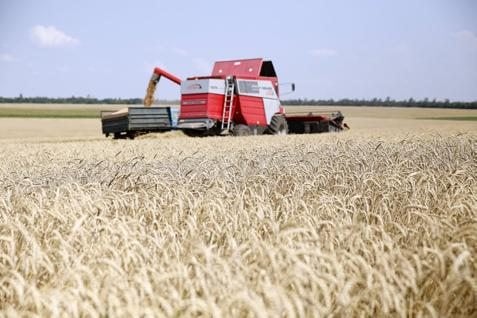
(227, 113)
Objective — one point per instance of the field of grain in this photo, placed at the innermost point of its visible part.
(58, 122)
(377, 221)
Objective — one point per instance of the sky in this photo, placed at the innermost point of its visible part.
(329, 49)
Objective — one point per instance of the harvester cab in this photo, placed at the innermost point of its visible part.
(239, 97)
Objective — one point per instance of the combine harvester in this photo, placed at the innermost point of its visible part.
(240, 98)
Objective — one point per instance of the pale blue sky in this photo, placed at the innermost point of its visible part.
(330, 49)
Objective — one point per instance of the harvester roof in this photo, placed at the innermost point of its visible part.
(253, 68)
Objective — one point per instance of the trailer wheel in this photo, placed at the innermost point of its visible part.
(131, 135)
(241, 130)
(278, 125)
(127, 135)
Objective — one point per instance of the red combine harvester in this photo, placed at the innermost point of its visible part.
(240, 97)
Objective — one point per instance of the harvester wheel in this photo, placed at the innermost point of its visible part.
(278, 125)
(241, 130)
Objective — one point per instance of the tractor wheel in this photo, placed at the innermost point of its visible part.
(241, 130)
(278, 125)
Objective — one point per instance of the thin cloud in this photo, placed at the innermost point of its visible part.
(467, 38)
(51, 37)
(323, 52)
(5, 57)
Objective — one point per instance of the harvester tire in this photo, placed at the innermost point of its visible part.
(278, 125)
(241, 130)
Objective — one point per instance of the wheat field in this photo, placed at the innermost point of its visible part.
(347, 224)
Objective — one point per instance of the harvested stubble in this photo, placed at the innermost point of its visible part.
(295, 225)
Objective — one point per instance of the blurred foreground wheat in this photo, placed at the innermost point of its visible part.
(261, 226)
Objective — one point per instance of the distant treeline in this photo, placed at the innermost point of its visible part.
(378, 102)
(71, 100)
